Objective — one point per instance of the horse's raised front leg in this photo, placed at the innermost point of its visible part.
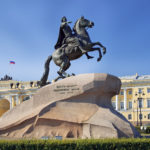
(104, 48)
(88, 56)
(99, 44)
(99, 50)
(85, 52)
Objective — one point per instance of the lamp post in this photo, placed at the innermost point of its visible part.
(140, 105)
(137, 124)
(140, 93)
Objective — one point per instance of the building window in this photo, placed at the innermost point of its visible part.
(121, 92)
(129, 117)
(130, 92)
(148, 116)
(148, 90)
(140, 116)
(140, 90)
(121, 105)
(114, 105)
(148, 103)
(130, 105)
(140, 102)
(26, 98)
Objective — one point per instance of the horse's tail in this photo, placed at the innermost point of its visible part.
(44, 78)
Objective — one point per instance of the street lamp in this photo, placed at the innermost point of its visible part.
(140, 93)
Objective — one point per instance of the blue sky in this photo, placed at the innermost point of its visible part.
(29, 31)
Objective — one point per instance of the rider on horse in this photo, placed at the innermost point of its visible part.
(66, 37)
(69, 47)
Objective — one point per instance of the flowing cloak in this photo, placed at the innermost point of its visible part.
(60, 38)
(65, 32)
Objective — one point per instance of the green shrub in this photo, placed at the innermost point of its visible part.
(138, 129)
(92, 144)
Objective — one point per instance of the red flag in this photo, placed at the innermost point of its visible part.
(12, 62)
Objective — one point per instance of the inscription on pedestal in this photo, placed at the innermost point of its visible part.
(66, 89)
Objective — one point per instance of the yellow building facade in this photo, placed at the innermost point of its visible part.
(133, 100)
(13, 93)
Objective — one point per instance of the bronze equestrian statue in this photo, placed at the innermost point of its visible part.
(65, 34)
(71, 46)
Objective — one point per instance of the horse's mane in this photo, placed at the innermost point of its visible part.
(74, 27)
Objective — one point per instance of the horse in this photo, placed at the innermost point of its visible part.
(71, 51)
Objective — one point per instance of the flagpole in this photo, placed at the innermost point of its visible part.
(10, 65)
(9, 70)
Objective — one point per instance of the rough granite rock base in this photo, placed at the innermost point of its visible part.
(75, 107)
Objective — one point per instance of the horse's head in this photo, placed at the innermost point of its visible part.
(83, 23)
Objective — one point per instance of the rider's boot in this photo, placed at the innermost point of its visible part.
(82, 50)
(104, 48)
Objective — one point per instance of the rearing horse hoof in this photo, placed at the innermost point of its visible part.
(98, 59)
(104, 50)
(90, 57)
(60, 74)
(67, 75)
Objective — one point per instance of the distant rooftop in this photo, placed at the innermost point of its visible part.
(135, 77)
